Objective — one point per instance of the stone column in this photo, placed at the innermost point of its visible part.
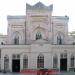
(59, 61)
(10, 63)
(21, 62)
(68, 61)
(2, 63)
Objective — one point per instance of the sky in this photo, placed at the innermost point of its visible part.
(18, 7)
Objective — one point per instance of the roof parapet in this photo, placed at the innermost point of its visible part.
(38, 6)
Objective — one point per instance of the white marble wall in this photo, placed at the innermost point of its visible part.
(32, 51)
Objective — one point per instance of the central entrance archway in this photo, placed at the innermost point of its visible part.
(63, 62)
(16, 65)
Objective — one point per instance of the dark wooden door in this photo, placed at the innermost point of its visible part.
(16, 65)
(63, 64)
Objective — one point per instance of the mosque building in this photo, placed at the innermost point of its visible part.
(37, 40)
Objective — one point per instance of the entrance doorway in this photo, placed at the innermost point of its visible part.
(63, 64)
(16, 65)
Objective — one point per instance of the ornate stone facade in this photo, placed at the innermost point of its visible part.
(37, 37)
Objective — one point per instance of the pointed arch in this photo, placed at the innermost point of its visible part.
(16, 40)
(40, 61)
(16, 37)
(25, 62)
(38, 35)
(60, 37)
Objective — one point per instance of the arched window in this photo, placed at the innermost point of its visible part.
(38, 35)
(2, 43)
(6, 63)
(16, 37)
(59, 40)
(15, 56)
(63, 55)
(72, 60)
(16, 40)
(25, 62)
(40, 61)
(55, 61)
